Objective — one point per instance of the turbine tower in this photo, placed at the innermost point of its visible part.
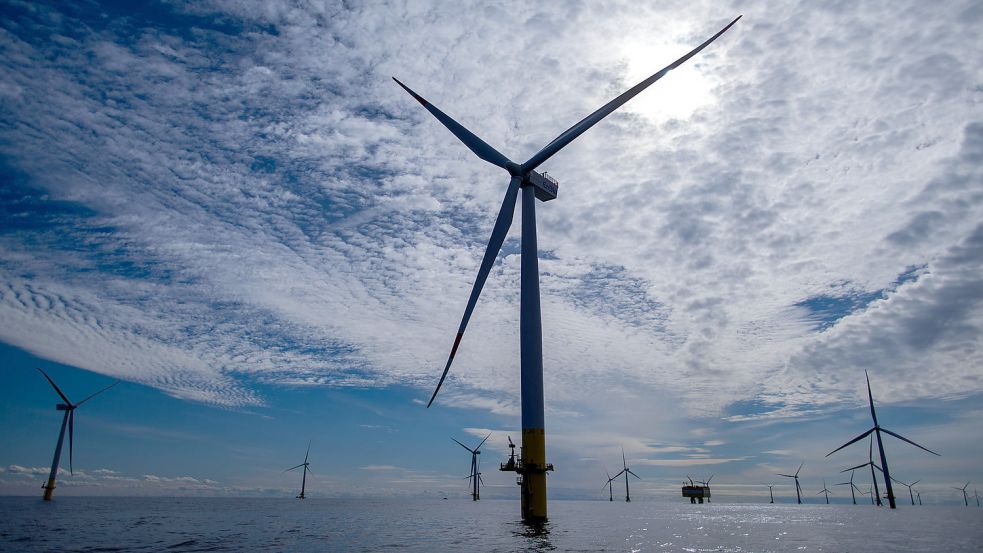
(770, 493)
(911, 494)
(307, 468)
(919, 496)
(825, 491)
(67, 420)
(475, 476)
(798, 489)
(875, 491)
(609, 485)
(626, 471)
(965, 496)
(877, 429)
(852, 487)
(533, 466)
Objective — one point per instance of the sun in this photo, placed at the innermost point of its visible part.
(677, 95)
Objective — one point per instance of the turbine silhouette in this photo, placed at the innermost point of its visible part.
(307, 468)
(67, 420)
(798, 489)
(534, 185)
(475, 476)
(877, 429)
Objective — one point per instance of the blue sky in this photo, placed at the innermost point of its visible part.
(232, 208)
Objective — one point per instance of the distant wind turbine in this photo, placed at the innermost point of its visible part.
(534, 185)
(770, 493)
(825, 491)
(706, 484)
(475, 476)
(626, 471)
(911, 494)
(609, 485)
(852, 487)
(965, 496)
(68, 419)
(877, 429)
(798, 489)
(873, 476)
(307, 468)
(919, 496)
(977, 495)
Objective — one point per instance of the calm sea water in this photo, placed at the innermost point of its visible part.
(195, 524)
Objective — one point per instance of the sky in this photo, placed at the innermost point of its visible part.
(231, 208)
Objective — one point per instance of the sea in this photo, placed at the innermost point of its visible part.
(89, 524)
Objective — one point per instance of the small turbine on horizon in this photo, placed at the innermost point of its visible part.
(875, 491)
(798, 489)
(911, 494)
(534, 185)
(965, 496)
(852, 487)
(877, 429)
(68, 419)
(609, 485)
(307, 468)
(475, 476)
(626, 471)
(770, 493)
(919, 496)
(825, 491)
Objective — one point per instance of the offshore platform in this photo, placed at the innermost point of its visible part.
(515, 464)
(696, 492)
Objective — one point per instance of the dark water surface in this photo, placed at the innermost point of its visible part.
(221, 524)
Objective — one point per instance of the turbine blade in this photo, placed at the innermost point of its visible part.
(622, 471)
(292, 468)
(857, 439)
(800, 468)
(900, 437)
(788, 475)
(870, 397)
(71, 441)
(464, 446)
(573, 132)
(308, 452)
(475, 144)
(55, 386)
(633, 474)
(502, 224)
(482, 442)
(97, 393)
(896, 480)
(623, 460)
(308, 469)
(856, 467)
(913, 483)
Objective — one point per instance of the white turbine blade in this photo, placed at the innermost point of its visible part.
(573, 132)
(475, 144)
(97, 393)
(502, 224)
(464, 446)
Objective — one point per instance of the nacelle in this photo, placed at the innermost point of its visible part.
(546, 186)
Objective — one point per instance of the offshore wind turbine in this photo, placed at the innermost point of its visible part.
(870, 461)
(609, 485)
(825, 491)
(307, 468)
(67, 420)
(977, 495)
(798, 489)
(910, 493)
(626, 471)
(475, 476)
(919, 496)
(770, 493)
(877, 429)
(852, 487)
(965, 496)
(533, 466)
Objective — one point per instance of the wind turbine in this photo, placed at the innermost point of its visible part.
(870, 491)
(825, 491)
(475, 475)
(626, 471)
(919, 496)
(852, 487)
(877, 429)
(798, 489)
(770, 493)
(965, 496)
(870, 461)
(609, 485)
(307, 468)
(706, 484)
(534, 185)
(910, 493)
(68, 419)
(977, 495)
